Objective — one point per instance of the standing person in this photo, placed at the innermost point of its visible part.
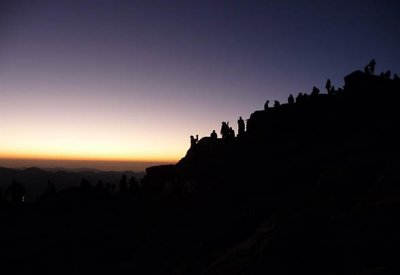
(266, 105)
(231, 134)
(328, 85)
(241, 126)
(225, 130)
(291, 99)
(370, 68)
(193, 141)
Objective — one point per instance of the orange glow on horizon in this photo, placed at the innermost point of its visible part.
(85, 158)
(91, 152)
(66, 140)
(89, 155)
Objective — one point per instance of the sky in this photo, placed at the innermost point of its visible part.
(132, 80)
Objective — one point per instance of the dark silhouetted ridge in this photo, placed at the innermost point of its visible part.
(311, 186)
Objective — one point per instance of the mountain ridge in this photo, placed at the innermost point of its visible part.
(310, 187)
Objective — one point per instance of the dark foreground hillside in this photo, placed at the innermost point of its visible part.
(310, 187)
(36, 180)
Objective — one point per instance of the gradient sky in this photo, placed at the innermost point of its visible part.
(132, 80)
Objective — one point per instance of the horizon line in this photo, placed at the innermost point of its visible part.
(102, 165)
(88, 159)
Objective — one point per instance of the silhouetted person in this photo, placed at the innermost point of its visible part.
(276, 103)
(266, 105)
(231, 134)
(241, 126)
(328, 85)
(16, 191)
(387, 74)
(333, 89)
(370, 68)
(225, 130)
(291, 99)
(214, 135)
(315, 91)
(299, 97)
(193, 141)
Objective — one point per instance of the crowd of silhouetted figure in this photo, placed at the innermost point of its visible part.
(228, 134)
(330, 89)
(125, 186)
(288, 204)
(16, 192)
(193, 140)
